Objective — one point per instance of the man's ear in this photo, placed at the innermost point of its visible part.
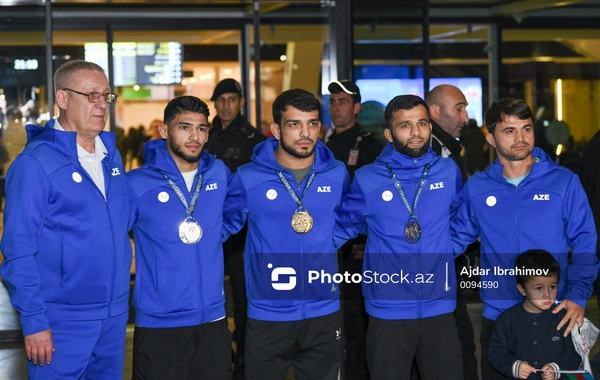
(434, 112)
(62, 99)
(275, 130)
(163, 129)
(356, 108)
(491, 139)
(388, 135)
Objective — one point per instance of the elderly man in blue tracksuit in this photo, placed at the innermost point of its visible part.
(523, 201)
(404, 202)
(66, 250)
(180, 327)
(288, 194)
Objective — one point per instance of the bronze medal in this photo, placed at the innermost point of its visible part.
(412, 231)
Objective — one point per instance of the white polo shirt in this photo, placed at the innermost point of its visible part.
(91, 162)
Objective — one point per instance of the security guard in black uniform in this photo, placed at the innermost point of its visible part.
(232, 139)
(355, 147)
(349, 143)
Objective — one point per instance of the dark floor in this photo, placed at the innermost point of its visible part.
(12, 356)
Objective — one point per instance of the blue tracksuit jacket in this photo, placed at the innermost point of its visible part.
(66, 250)
(278, 260)
(548, 210)
(177, 284)
(424, 280)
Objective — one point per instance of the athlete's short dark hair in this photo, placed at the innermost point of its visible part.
(297, 98)
(402, 102)
(184, 104)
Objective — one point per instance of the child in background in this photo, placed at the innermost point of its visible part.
(525, 337)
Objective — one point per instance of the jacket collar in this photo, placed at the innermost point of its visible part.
(450, 142)
(158, 157)
(264, 154)
(65, 141)
(391, 156)
(351, 133)
(235, 123)
(542, 165)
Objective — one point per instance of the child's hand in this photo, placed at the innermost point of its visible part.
(548, 375)
(525, 370)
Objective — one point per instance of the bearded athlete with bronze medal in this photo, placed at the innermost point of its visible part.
(302, 221)
(190, 231)
(412, 318)
(412, 230)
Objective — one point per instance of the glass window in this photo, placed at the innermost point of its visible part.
(22, 78)
(557, 72)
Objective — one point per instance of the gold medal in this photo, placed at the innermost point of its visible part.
(302, 222)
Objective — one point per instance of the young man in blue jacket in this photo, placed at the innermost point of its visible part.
(66, 250)
(523, 201)
(181, 331)
(404, 202)
(288, 194)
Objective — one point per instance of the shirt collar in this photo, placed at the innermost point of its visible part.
(99, 147)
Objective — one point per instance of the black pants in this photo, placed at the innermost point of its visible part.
(312, 347)
(487, 371)
(466, 336)
(233, 250)
(234, 264)
(200, 352)
(392, 345)
(356, 321)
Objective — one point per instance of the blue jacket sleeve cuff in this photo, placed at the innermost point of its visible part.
(571, 296)
(34, 324)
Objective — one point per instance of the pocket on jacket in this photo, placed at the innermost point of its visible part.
(177, 282)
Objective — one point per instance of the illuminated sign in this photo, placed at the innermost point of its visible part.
(143, 63)
(26, 64)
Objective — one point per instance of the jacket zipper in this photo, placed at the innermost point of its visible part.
(196, 257)
(419, 290)
(517, 218)
(105, 162)
(302, 262)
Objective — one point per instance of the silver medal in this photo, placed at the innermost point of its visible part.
(190, 231)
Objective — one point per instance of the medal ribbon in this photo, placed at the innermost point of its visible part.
(188, 209)
(400, 190)
(291, 191)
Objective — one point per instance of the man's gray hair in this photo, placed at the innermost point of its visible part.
(62, 76)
